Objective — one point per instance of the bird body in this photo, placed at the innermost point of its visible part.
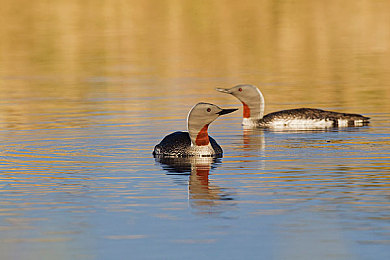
(195, 142)
(299, 118)
(178, 144)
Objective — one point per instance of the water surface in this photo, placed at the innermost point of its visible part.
(87, 90)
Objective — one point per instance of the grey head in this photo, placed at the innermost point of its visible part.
(251, 98)
(200, 117)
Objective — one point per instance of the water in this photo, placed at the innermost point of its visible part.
(87, 90)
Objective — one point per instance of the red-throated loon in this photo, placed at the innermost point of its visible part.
(300, 118)
(195, 142)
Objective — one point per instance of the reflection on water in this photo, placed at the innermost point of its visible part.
(205, 197)
(87, 90)
(253, 139)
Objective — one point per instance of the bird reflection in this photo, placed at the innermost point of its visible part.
(250, 149)
(203, 196)
(253, 139)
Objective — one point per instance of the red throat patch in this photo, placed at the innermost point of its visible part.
(203, 136)
(247, 111)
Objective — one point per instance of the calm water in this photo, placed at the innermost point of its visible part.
(87, 90)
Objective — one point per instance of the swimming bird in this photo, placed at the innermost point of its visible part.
(300, 118)
(195, 142)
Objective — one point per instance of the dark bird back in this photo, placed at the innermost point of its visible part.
(178, 144)
(316, 114)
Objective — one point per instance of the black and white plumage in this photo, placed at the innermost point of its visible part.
(299, 118)
(178, 144)
(313, 116)
(195, 142)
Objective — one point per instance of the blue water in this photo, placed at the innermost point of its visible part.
(88, 89)
(96, 192)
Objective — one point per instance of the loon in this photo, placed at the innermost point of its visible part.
(300, 118)
(195, 142)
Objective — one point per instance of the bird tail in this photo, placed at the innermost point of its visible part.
(357, 120)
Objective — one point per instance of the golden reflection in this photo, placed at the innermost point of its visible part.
(60, 56)
(205, 197)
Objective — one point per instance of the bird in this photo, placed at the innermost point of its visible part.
(195, 142)
(300, 118)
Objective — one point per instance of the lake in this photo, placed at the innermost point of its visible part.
(87, 90)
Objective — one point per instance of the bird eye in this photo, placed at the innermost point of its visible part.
(208, 109)
(240, 89)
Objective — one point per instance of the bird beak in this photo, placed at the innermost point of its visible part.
(224, 90)
(226, 111)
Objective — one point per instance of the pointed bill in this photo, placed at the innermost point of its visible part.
(223, 90)
(226, 111)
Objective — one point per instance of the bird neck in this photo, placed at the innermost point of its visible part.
(253, 107)
(199, 134)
